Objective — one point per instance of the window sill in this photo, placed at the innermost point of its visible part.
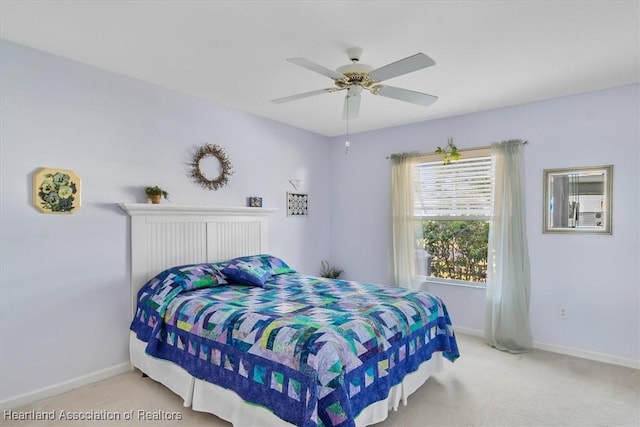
(436, 281)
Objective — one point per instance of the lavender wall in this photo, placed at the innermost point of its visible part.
(121, 134)
(64, 282)
(594, 276)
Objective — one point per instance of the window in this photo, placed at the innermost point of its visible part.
(453, 207)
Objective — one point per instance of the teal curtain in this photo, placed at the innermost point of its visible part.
(507, 325)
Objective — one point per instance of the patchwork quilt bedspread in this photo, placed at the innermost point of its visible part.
(314, 351)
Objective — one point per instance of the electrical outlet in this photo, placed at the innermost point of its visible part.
(563, 312)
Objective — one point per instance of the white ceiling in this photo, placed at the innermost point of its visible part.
(488, 54)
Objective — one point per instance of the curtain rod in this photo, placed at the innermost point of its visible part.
(466, 149)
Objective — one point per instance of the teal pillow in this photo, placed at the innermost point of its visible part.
(255, 269)
(246, 272)
(197, 276)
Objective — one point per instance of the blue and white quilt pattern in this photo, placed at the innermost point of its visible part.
(313, 351)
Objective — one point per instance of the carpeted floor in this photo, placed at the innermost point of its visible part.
(485, 387)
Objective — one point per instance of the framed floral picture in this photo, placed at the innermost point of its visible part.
(56, 190)
(297, 204)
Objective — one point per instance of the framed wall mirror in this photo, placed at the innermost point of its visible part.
(578, 200)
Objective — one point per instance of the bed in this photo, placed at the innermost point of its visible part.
(239, 333)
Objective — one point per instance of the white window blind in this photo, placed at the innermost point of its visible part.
(460, 188)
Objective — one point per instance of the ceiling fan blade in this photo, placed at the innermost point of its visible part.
(317, 68)
(403, 66)
(301, 95)
(352, 104)
(406, 95)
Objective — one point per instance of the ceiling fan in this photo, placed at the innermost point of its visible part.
(355, 76)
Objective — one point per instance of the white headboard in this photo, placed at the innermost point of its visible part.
(164, 235)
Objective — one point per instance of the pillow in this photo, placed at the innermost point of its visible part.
(246, 272)
(269, 263)
(255, 269)
(163, 287)
(196, 276)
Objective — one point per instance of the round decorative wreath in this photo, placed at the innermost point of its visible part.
(211, 150)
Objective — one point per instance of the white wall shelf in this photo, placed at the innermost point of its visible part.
(145, 209)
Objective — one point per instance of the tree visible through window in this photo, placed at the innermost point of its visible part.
(453, 207)
(456, 249)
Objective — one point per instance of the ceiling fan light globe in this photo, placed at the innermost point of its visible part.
(354, 90)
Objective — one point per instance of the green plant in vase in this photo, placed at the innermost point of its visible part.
(156, 193)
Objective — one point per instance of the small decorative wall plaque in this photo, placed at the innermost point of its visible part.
(297, 204)
(255, 202)
(56, 190)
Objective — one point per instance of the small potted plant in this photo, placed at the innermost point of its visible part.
(155, 193)
(329, 271)
(449, 153)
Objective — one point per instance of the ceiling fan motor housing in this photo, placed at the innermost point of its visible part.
(355, 72)
(354, 68)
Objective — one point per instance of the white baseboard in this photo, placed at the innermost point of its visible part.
(591, 355)
(54, 390)
(583, 354)
(468, 331)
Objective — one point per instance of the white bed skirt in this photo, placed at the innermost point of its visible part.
(206, 397)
